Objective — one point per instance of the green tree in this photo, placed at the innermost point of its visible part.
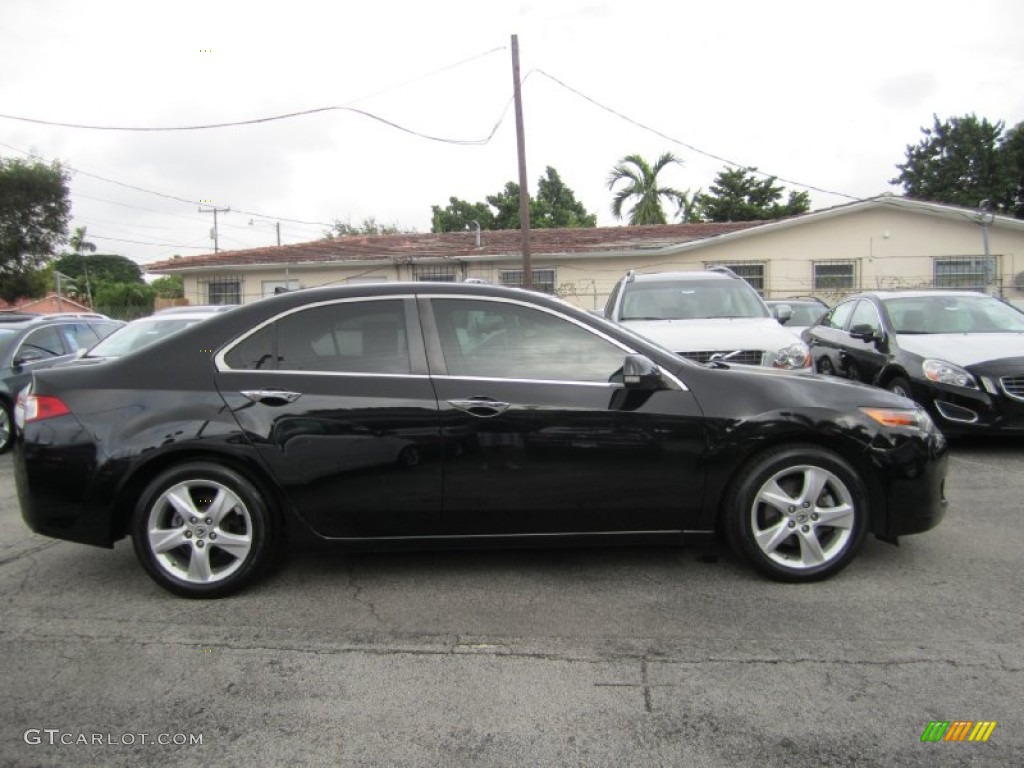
(459, 214)
(739, 195)
(125, 301)
(554, 206)
(34, 212)
(102, 268)
(964, 160)
(642, 186)
(168, 287)
(370, 226)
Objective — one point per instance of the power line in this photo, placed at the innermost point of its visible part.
(681, 143)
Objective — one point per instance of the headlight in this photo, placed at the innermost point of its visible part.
(946, 373)
(796, 355)
(908, 418)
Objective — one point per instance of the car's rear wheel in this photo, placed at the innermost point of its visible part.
(202, 530)
(6, 427)
(797, 514)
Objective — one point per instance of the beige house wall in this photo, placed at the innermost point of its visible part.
(889, 248)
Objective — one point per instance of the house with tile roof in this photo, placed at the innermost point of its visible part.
(882, 242)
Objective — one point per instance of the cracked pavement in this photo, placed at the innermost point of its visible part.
(617, 657)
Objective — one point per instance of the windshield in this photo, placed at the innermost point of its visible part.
(140, 333)
(953, 314)
(691, 299)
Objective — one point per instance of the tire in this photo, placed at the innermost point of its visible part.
(772, 521)
(6, 427)
(900, 386)
(203, 531)
(825, 367)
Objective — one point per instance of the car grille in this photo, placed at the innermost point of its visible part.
(743, 357)
(1013, 386)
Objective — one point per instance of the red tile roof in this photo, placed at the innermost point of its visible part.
(412, 247)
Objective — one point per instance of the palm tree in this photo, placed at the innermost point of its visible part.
(82, 246)
(642, 184)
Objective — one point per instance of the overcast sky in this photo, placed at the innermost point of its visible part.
(824, 95)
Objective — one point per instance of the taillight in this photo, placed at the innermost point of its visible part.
(39, 407)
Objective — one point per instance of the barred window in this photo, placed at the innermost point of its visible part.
(974, 272)
(439, 273)
(224, 290)
(751, 271)
(834, 275)
(543, 279)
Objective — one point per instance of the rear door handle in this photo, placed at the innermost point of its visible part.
(481, 407)
(271, 396)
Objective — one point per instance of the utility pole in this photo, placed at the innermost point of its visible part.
(524, 193)
(215, 210)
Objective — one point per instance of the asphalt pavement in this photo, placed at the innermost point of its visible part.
(614, 657)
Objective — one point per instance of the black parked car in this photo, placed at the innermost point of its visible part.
(30, 342)
(960, 354)
(446, 414)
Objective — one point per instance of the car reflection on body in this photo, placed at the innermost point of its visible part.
(148, 330)
(960, 354)
(529, 422)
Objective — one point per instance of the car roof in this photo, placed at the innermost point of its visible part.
(203, 309)
(916, 294)
(26, 320)
(654, 277)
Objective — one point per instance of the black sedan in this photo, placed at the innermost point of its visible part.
(452, 415)
(960, 354)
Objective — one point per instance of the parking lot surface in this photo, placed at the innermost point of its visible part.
(617, 657)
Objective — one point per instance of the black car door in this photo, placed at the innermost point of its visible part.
(864, 354)
(336, 400)
(540, 434)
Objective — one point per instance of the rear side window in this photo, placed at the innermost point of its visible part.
(347, 337)
(41, 344)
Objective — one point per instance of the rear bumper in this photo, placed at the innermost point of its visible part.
(54, 485)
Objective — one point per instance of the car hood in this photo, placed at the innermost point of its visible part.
(963, 348)
(714, 334)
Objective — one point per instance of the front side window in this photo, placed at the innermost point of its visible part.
(866, 314)
(346, 337)
(837, 317)
(492, 339)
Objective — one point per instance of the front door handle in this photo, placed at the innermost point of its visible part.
(271, 396)
(482, 407)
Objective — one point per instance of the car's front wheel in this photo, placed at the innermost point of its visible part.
(202, 530)
(798, 513)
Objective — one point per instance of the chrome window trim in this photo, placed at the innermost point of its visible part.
(222, 367)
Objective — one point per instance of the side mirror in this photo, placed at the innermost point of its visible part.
(639, 372)
(783, 313)
(865, 332)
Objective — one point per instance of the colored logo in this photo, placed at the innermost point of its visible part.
(958, 730)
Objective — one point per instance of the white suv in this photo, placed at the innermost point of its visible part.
(706, 316)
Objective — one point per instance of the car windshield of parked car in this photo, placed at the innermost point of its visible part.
(953, 314)
(691, 300)
(140, 333)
